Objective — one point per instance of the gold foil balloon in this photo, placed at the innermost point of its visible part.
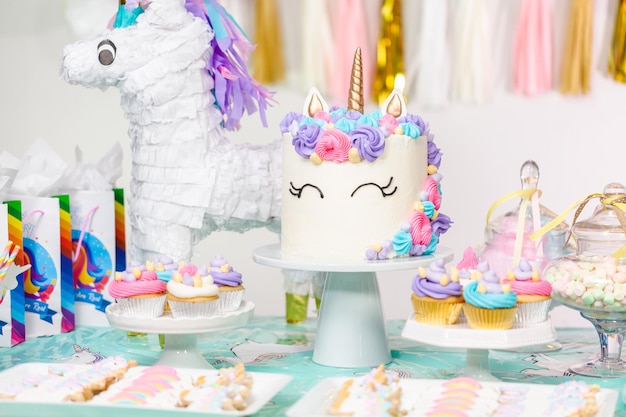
(268, 64)
(389, 50)
(617, 52)
(355, 93)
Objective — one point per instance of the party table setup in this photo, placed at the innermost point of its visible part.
(108, 306)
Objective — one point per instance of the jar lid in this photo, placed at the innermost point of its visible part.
(608, 222)
(507, 224)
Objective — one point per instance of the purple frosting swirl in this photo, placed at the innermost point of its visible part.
(288, 120)
(230, 278)
(369, 141)
(441, 224)
(429, 285)
(434, 154)
(305, 139)
(415, 119)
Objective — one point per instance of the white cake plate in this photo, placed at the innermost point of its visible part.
(351, 330)
(181, 341)
(478, 341)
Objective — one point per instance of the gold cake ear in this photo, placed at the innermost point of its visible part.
(314, 103)
(395, 104)
(355, 94)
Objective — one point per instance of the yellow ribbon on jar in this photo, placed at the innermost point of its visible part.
(615, 202)
(527, 196)
(389, 50)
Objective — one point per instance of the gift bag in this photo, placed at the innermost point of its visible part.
(98, 241)
(12, 321)
(48, 279)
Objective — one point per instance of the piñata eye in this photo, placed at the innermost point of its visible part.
(106, 52)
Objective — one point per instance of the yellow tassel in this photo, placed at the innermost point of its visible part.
(576, 63)
(268, 64)
(617, 52)
(389, 50)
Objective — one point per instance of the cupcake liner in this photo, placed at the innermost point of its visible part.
(230, 300)
(532, 312)
(483, 318)
(436, 312)
(142, 307)
(190, 309)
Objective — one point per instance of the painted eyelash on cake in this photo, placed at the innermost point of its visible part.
(297, 192)
(382, 189)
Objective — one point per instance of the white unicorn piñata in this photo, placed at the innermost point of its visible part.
(182, 85)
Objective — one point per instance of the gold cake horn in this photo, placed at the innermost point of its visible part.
(355, 94)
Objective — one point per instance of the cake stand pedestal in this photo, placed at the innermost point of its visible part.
(478, 341)
(181, 341)
(351, 330)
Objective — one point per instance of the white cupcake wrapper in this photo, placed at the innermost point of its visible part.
(230, 300)
(194, 309)
(145, 307)
(528, 313)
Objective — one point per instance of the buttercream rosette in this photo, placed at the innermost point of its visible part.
(138, 291)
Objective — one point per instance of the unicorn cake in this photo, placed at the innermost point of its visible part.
(359, 185)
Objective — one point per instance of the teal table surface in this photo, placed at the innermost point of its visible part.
(269, 344)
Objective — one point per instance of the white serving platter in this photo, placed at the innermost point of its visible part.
(316, 402)
(265, 387)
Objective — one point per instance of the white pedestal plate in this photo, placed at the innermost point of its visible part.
(181, 341)
(351, 330)
(478, 342)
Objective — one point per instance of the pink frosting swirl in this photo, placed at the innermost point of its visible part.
(148, 283)
(421, 231)
(525, 280)
(333, 145)
(431, 188)
(389, 122)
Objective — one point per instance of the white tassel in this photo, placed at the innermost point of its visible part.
(316, 31)
(470, 78)
(430, 68)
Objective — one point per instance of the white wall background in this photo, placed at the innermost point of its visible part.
(578, 142)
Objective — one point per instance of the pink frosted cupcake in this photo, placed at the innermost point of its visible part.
(228, 282)
(468, 265)
(533, 293)
(138, 291)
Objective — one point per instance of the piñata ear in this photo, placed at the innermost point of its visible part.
(394, 105)
(314, 103)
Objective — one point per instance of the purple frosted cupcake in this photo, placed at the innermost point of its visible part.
(229, 282)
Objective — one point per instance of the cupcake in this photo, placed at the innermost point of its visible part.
(138, 291)
(192, 295)
(489, 304)
(228, 282)
(437, 297)
(533, 293)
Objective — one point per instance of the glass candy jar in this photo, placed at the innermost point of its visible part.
(593, 280)
(507, 237)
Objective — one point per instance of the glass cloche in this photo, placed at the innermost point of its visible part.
(511, 232)
(593, 280)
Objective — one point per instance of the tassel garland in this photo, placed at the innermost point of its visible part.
(576, 63)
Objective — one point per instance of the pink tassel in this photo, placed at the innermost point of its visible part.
(350, 32)
(532, 51)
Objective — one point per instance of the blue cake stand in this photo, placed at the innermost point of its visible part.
(351, 330)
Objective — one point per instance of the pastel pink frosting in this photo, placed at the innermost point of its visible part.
(137, 279)
(525, 280)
